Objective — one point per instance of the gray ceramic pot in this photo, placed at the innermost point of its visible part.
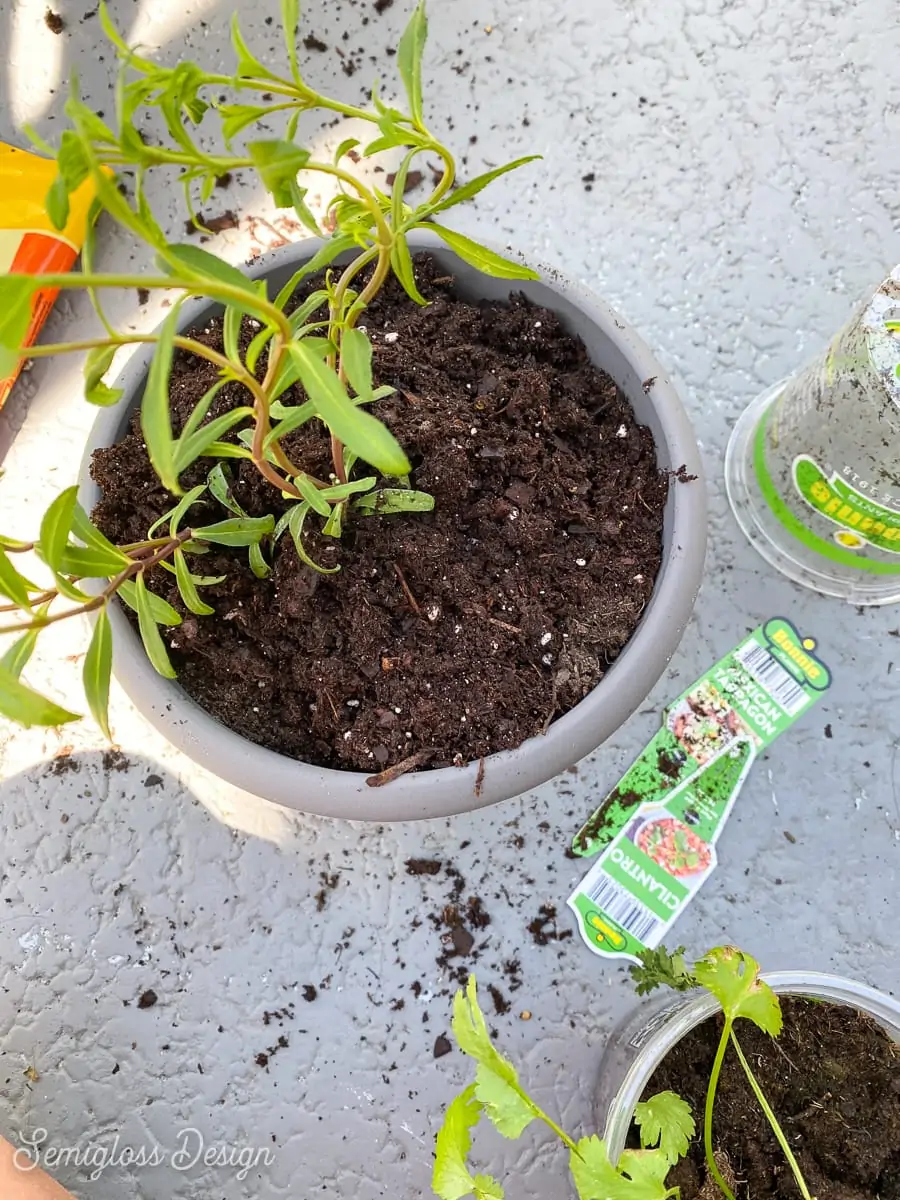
(439, 793)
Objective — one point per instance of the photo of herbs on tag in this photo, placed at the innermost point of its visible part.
(775, 1091)
(370, 519)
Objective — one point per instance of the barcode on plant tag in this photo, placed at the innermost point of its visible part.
(770, 674)
(617, 902)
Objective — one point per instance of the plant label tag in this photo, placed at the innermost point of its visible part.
(658, 828)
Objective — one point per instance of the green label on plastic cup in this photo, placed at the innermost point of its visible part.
(860, 518)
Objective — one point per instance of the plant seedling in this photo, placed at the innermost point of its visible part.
(306, 362)
(665, 1122)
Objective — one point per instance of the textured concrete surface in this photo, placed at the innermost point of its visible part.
(746, 192)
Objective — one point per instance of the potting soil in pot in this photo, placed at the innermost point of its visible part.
(832, 1079)
(451, 634)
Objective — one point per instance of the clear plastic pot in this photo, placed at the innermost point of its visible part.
(637, 1047)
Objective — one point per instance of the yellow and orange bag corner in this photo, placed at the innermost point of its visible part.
(29, 244)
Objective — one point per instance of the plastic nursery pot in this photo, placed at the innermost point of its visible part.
(637, 1047)
(614, 347)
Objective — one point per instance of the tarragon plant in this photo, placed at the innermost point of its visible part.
(317, 347)
(665, 1122)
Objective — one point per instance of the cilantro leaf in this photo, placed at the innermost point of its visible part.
(640, 1175)
(665, 1120)
(504, 1102)
(660, 968)
(732, 976)
(451, 1178)
(497, 1082)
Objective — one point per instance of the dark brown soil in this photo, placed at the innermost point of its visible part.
(448, 635)
(54, 21)
(833, 1081)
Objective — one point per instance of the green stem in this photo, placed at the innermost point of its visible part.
(772, 1119)
(135, 567)
(708, 1113)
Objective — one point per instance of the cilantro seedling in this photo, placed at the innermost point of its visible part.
(308, 362)
(665, 1121)
(732, 976)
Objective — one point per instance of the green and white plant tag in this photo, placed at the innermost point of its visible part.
(658, 828)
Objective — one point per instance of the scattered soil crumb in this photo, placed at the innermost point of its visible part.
(54, 21)
(441, 1046)
(148, 999)
(153, 781)
(543, 927)
(413, 179)
(423, 866)
(63, 763)
(226, 220)
(828, 731)
(143, 295)
(501, 1004)
(329, 882)
(309, 992)
(382, 6)
(311, 42)
(224, 181)
(115, 760)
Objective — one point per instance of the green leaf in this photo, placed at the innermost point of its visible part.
(467, 190)
(13, 585)
(484, 260)
(236, 531)
(150, 635)
(26, 707)
(97, 671)
(92, 563)
(319, 261)
(189, 449)
(200, 409)
(398, 190)
(356, 359)
(640, 1175)
(56, 202)
(257, 345)
(258, 564)
(497, 1082)
(733, 978)
(290, 18)
(334, 525)
(219, 483)
(409, 60)
(504, 1102)
(349, 143)
(660, 968)
(161, 610)
(71, 163)
(66, 588)
(188, 589)
(187, 501)
(226, 450)
(367, 437)
(16, 657)
(156, 421)
(200, 264)
(394, 500)
(87, 532)
(665, 1120)
(248, 65)
(340, 491)
(15, 318)
(236, 117)
(278, 162)
(56, 526)
(97, 363)
(302, 209)
(451, 1178)
(231, 328)
(312, 495)
(295, 518)
(402, 266)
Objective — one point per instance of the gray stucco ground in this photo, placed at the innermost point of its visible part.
(746, 191)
